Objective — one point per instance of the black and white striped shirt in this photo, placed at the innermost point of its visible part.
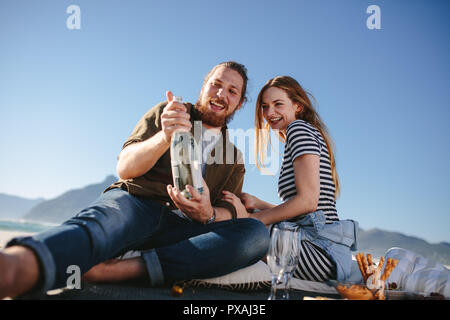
(302, 138)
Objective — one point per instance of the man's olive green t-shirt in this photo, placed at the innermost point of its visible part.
(223, 172)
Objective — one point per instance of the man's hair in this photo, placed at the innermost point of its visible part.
(239, 68)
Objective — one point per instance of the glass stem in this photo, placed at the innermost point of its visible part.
(286, 285)
(273, 288)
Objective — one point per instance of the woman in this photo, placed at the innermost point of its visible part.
(308, 184)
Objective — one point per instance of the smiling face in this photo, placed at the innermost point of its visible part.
(220, 97)
(278, 109)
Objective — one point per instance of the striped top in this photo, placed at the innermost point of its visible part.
(302, 138)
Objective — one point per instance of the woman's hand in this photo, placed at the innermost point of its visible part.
(241, 211)
(250, 202)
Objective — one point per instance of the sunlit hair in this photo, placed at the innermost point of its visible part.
(239, 68)
(307, 113)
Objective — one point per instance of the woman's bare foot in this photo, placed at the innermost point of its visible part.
(116, 270)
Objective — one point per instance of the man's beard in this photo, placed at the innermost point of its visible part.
(210, 117)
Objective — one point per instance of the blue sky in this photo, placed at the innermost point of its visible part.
(70, 98)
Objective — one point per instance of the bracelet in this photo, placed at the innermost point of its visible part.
(213, 217)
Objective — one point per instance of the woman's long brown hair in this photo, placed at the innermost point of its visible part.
(297, 95)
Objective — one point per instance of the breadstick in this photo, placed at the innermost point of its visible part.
(360, 265)
(387, 266)
(394, 263)
(370, 271)
(364, 263)
(358, 260)
(374, 270)
(380, 265)
(388, 269)
(369, 259)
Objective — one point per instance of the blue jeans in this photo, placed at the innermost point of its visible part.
(172, 248)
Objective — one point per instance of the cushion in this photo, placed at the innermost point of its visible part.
(257, 277)
(254, 277)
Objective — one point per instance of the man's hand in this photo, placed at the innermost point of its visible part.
(174, 117)
(198, 208)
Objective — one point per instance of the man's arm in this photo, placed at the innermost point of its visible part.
(139, 157)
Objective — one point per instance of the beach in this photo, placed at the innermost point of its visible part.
(5, 236)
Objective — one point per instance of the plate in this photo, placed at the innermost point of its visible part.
(405, 295)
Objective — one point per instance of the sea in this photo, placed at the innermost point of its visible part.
(24, 225)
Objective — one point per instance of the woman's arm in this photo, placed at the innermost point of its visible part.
(252, 202)
(307, 183)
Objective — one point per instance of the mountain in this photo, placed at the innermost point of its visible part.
(377, 242)
(68, 204)
(13, 207)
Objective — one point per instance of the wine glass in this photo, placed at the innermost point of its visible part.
(282, 255)
(292, 261)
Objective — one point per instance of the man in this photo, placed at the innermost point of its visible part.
(180, 238)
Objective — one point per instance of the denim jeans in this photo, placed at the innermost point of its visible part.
(172, 248)
(338, 239)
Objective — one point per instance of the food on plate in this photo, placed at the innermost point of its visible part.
(317, 298)
(369, 260)
(360, 265)
(371, 274)
(390, 265)
(380, 265)
(366, 267)
(392, 286)
(436, 296)
(355, 292)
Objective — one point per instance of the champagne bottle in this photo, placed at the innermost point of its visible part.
(185, 161)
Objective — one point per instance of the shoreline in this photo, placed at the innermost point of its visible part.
(6, 235)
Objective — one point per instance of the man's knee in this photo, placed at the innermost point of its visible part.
(255, 242)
